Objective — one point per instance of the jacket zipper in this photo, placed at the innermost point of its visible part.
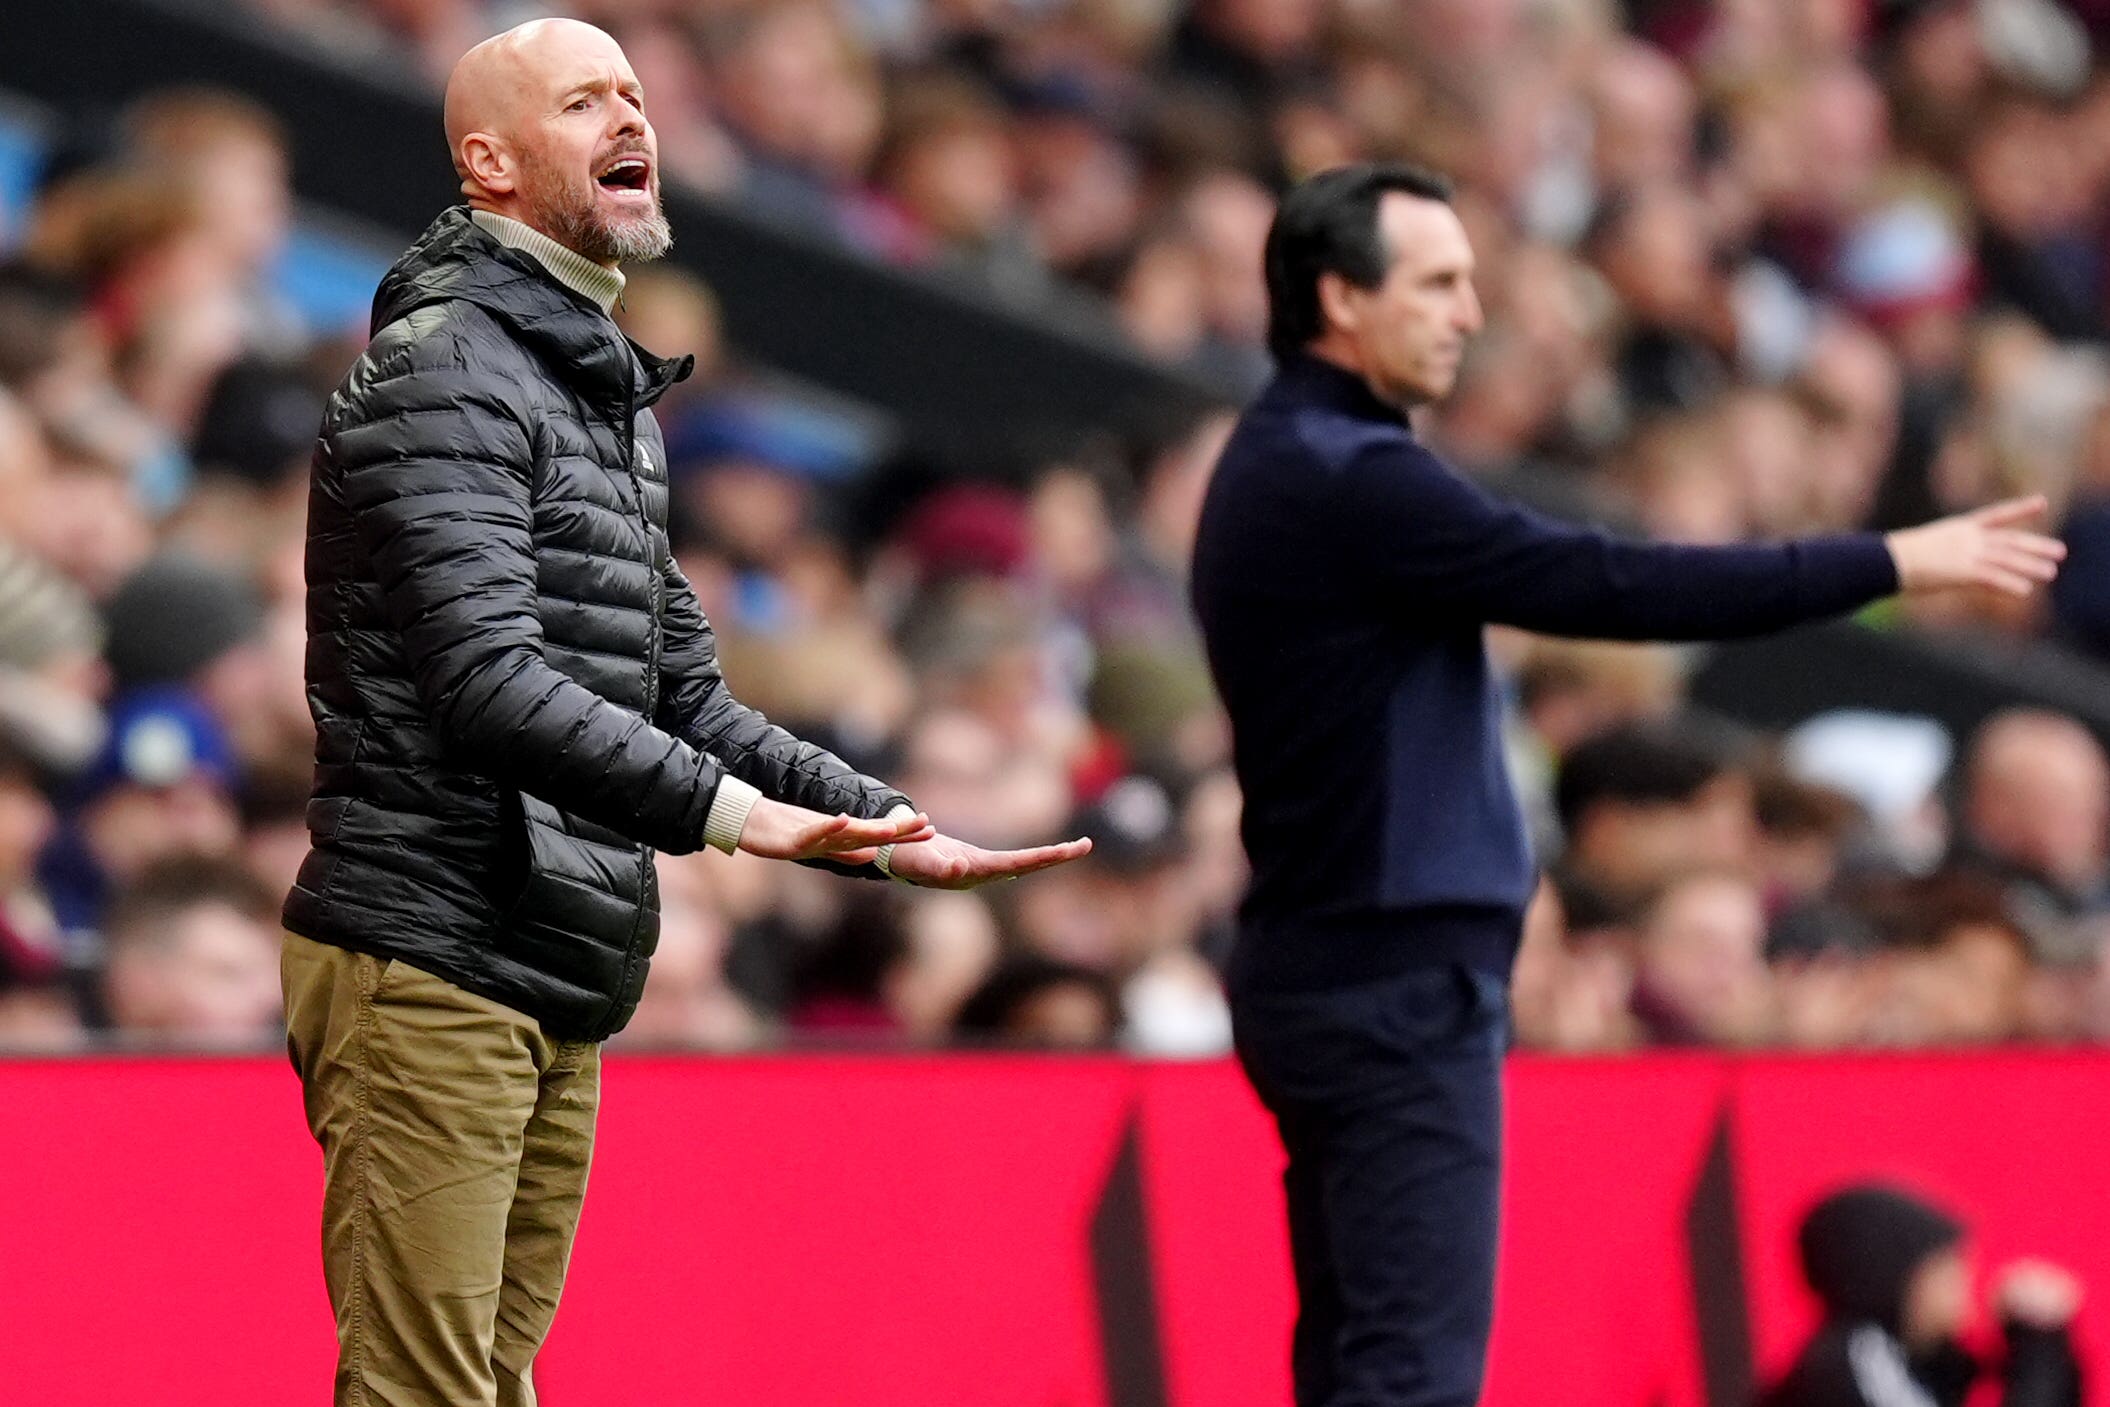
(654, 585)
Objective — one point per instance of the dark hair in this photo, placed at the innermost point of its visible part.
(992, 1009)
(1637, 764)
(146, 910)
(1328, 225)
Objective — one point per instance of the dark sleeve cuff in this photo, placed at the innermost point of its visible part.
(1846, 571)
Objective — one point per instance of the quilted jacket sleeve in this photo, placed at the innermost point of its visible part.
(696, 706)
(434, 466)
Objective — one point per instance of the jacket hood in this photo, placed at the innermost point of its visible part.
(456, 260)
(1860, 1247)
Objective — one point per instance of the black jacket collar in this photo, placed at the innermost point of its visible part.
(454, 259)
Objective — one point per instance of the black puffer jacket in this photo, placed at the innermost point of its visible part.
(516, 695)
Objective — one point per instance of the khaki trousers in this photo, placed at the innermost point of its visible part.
(455, 1141)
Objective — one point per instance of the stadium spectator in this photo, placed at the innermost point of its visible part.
(193, 956)
(1571, 997)
(2036, 819)
(1640, 805)
(689, 1003)
(232, 155)
(1892, 1274)
(954, 942)
(1700, 975)
(1038, 1001)
(162, 787)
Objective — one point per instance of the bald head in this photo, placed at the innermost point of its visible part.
(2040, 795)
(546, 124)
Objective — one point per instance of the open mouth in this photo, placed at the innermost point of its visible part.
(627, 173)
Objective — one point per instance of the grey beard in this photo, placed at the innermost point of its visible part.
(578, 226)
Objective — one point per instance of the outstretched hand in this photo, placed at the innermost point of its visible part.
(1987, 548)
(942, 862)
(777, 831)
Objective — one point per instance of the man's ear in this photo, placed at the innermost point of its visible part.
(488, 163)
(1338, 303)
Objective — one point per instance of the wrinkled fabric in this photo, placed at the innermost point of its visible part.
(516, 695)
(456, 1140)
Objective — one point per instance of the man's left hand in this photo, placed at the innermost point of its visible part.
(945, 863)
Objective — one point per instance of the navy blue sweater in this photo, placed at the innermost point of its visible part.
(1342, 574)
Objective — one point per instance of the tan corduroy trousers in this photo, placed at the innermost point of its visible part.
(455, 1141)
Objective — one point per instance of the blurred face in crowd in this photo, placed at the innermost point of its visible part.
(1701, 957)
(952, 945)
(209, 974)
(2040, 797)
(1984, 971)
(1062, 1015)
(133, 826)
(793, 87)
(1568, 998)
(956, 174)
(1658, 258)
(1268, 29)
(961, 768)
(1407, 335)
(1627, 848)
(547, 123)
(1642, 108)
(686, 1001)
(1112, 922)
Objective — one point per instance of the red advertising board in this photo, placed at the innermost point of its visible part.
(1013, 1232)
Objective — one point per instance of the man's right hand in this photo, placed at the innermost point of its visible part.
(1987, 548)
(777, 831)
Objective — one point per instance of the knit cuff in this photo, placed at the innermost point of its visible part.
(728, 815)
(885, 860)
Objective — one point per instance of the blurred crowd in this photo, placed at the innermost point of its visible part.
(1751, 269)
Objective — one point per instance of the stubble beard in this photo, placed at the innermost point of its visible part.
(570, 214)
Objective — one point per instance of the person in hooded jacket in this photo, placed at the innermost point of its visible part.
(1891, 1273)
(516, 699)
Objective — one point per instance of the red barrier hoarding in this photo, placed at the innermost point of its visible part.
(1011, 1232)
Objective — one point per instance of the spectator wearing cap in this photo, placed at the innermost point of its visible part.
(1133, 915)
(181, 622)
(191, 956)
(1890, 1270)
(162, 786)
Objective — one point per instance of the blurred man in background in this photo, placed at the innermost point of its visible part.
(1343, 575)
(1890, 1270)
(2036, 820)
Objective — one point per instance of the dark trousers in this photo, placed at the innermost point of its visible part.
(1388, 1098)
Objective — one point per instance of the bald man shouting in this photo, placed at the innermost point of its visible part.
(516, 700)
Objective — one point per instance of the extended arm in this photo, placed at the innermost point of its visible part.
(1441, 544)
(434, 472)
